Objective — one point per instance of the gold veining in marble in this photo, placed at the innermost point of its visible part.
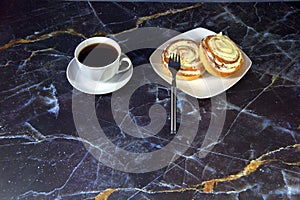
(157, 15)
(171, 11)
(208, 186)
(34, 53)
(40, 37)
(104, 195)
(71, 31)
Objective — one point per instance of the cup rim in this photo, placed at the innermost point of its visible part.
(85, 43)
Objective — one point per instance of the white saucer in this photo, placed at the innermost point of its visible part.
(96, 87)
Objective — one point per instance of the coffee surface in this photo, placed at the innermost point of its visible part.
(98, 55)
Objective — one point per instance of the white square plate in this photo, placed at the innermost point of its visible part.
(206, 86)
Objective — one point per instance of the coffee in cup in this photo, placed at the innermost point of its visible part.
(100, 58)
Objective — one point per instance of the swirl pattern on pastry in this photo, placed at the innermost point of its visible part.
(191, 66)
(220, 55)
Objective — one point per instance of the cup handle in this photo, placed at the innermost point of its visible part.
(124, 59)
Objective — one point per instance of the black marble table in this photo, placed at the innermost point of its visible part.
(46, 152)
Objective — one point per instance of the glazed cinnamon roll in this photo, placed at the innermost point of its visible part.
(220, 55)
(191, 67)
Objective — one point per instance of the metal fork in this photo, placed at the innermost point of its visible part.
(174, 66)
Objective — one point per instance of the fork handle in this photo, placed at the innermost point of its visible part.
(173, 106)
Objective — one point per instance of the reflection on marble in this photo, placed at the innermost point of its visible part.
(42, 156)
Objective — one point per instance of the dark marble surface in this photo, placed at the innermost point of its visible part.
(42, 156)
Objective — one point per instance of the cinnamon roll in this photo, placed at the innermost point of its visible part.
(220, 55)
(191, 67)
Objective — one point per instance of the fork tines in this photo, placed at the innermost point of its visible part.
(174, 61)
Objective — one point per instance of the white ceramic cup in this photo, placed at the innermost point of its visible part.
(102, 73)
